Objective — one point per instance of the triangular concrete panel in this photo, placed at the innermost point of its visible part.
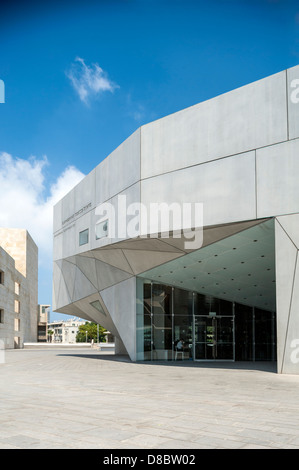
(90, 311)
(285, 260)
(56, 283)
(74, 310)
(86, 254)
(145, 243)
(141, 261)
(115, 258)
(290, 365)
(63, 296)
(109, 275)
(290, 223)
(69, 272)
(88, 268)
(83, 287)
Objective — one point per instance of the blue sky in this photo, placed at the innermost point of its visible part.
(80, 77)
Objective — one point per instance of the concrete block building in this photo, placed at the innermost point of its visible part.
(235, 296)
(18, 288)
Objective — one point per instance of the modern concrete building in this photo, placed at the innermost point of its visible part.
(225, 283)
(18, 287)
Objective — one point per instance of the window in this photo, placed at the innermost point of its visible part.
(102, 229)
(17, 324)
(42, 330)
(83, 237)
(1, 315)
(17, 288)
(96, 304)
(1, 277)
(17, 306)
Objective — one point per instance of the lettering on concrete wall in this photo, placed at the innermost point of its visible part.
(295, 92)
(76, 214)
(64, 230)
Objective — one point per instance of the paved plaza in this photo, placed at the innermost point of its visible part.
(87, 399)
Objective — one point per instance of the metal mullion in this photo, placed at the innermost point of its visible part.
(253, 334)
(152, 321)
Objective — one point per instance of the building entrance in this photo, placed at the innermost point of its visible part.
(213, 338)
(176, 324)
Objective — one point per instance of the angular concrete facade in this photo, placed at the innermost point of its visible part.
(237, 154)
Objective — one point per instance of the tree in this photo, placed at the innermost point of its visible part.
(50, 333)
(92, 333)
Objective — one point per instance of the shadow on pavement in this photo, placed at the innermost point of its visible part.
(267, 366)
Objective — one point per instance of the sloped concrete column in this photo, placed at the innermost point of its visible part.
(287, 293)
(120, 347)
(120, 301)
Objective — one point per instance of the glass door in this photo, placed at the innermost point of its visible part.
(213, 338)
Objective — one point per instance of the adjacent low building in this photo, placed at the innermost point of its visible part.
(225, 284)
(18, 288)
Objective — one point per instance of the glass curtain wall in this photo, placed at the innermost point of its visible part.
(176, 324)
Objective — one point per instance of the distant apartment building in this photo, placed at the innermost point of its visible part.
(18, 288)
(42, 323)
(65, 331)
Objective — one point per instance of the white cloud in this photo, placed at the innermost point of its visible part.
(89, 80)
(135, 110)
(24, 202)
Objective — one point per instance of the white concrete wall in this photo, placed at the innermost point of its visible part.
(226, 188)
(293, 102)
(244, 119)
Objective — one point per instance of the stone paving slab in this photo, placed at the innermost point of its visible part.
(83, 399)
